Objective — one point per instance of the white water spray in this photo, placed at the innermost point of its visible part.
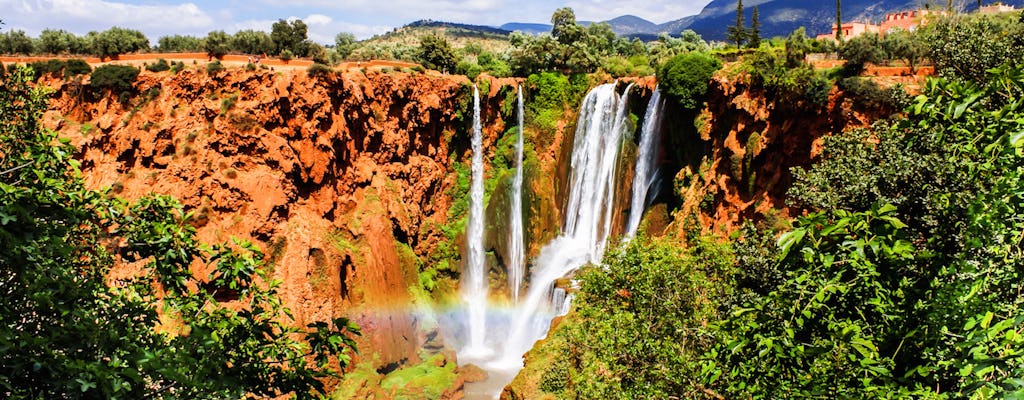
(516, 247)
(645, 174)
(474, 290)
(588, 219)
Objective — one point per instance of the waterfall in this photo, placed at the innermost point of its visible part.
(645, 174)
(588, 218)
(516, 247)
(475, 286)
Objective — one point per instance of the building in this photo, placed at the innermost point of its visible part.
(852, 30)
(907, 20)
(996, 8)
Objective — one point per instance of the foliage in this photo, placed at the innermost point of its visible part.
(214, 67)
(118, 78)
(116, 41)
(217, 44)
(15, 42)
(685, 78)
(859, 51)
(318, 69)
(290, 36)
(59, 42)
(47, 67)
(737, 33)
(636, 329)
(160, 332)
(902, 286)
(965, 47)
(76, 66)
(179, 44)
(435, 53)
(286, 55)
(252, 42)
(344, 44)
(159, 66)
(904, 45)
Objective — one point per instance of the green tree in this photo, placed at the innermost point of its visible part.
(290, 36)
(344, 43)
(115, 41)
(857, 52)
(967, 46)
(15, 42)
(435, 53)
(161, 332)
(797, 47)
(564, 27)
(57, 41)
(685, 78)
(252, 42)
(217, 44)
(755, 29)
(839, 21)
(179, 44)
(906, 46)
(737, 33)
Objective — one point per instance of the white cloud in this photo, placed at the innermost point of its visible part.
(81, 16)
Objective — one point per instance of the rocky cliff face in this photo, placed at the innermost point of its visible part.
(343, 180)
(738, 165)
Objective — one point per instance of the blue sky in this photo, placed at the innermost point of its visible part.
(325, 18)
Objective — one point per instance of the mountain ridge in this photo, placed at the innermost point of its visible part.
(777, 17)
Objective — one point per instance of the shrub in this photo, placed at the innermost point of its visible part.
(114, 77)
(468, 68)
(48, 67)
(318, 69)
(76, 66)
(685, 78)
(861, 50)
(214, 67)
(177, 66)
(286, 55)
(968, 46)
(159, 66)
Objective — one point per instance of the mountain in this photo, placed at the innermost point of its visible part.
(780, 17)
(526, 27)
(630, 24)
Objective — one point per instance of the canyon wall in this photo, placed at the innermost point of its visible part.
(343, 180)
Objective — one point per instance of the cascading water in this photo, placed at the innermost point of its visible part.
(516, 247)
(474, 290)
(600, 129)
(645, 174)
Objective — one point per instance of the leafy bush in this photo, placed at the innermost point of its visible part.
(159, 66)
(115, 41)
(76, 66)
(965, 47)
(685, 78)
(286, 55)
(857, 52)
(318, 69)
(114, 77)
(163, 331)
(217, 44)
(214, 67)
(435, 53)
(48, 67)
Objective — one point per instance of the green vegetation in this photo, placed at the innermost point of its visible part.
(159, 66)
(685, 78)
(160, 332)
(901, 281)
(435, 53)
(117, 78)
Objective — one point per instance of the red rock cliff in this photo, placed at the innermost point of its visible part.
(339, 178)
